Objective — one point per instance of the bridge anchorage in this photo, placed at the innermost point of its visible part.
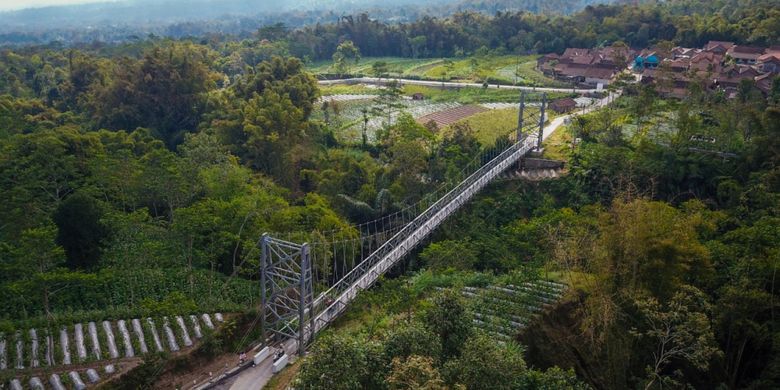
(339, 269)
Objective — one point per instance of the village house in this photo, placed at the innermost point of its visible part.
(684, 52)
(731, 76)
(745, 54)
(769, 63)
(545, 62)
(598, 76)
(589, 67)
(721, 66)
(764, 82)
(668, 83)
(706, 62)
(563, 106)
(679, 65)
(718, 47)
(647, 59)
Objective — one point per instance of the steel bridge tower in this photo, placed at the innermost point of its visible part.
(286, 285)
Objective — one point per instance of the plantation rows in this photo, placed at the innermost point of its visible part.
(350, 118)
(504, 310)
(76, 379)
(449, 116)
(346, 98)
(353, 107)
(531, 175)
(127, 289)
(94, 342)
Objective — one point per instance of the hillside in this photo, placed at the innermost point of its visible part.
(128, 19)
(407, 224)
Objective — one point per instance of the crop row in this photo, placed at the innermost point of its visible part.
(505, 310)
(91, 342)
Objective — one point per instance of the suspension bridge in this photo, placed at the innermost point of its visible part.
(358, 256)
(306, 286)
(307, 281)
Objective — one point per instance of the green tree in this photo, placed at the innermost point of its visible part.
(680, 331)
(269, 128)
(419, 44)
(411, 339)
(449, 319)
(37, 172)
(345, 53)
(484, 364)
(81, 231)
(659, 256)
(164, 91)
(414, 373)
(340, 363)
(379, 69)
(274, 127)
(38, 261)
(449, 254)
(286, 77)
(553, 379)
(388, 101)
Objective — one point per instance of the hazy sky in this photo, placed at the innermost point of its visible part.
(6, 5)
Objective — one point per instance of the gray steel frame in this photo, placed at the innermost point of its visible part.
(540, 138)
(287, 296)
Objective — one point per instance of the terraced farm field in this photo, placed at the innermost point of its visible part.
(450, 116)
(74, 355)
(397, 66)
(488, 120)
(503, 311)
(519, 70)
(490, 125)
(348, 124)
(438, 95)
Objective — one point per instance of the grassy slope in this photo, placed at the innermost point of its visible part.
(558, 145)
(490, 125)
(343, 89)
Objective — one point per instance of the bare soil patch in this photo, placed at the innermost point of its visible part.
(452, 115)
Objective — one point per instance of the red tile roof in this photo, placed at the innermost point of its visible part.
(584, 60)
(562, 105)
(764, 82)
(711, 45)
(575, 52)
(769, 57)
(747, 49)
(598, 73)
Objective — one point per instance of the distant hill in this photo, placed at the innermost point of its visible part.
(116, 21)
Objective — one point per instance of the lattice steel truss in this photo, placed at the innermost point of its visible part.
(286, 279)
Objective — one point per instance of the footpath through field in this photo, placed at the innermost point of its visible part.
(452, 85)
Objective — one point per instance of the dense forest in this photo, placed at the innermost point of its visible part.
(686, 23)
(124, 21)
(137, 178)
(671, 250)
(459, 29)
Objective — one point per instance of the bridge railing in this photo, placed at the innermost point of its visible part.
(328, 305)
